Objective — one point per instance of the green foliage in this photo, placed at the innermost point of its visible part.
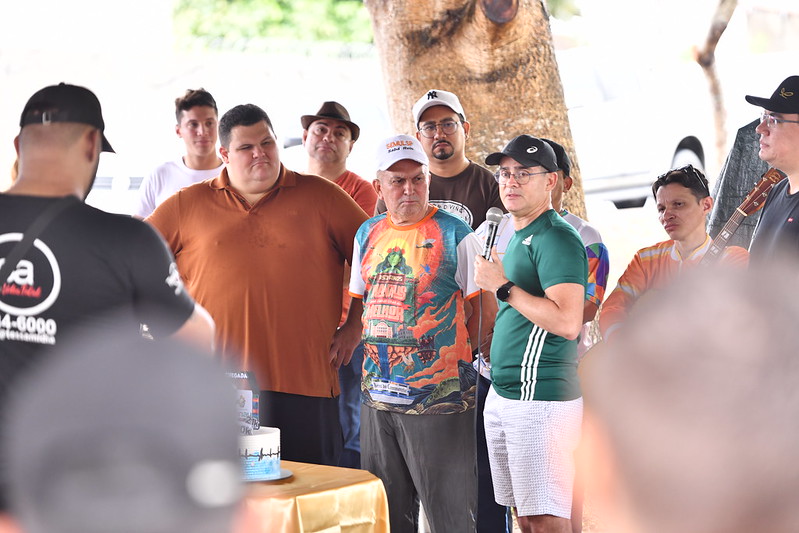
(236, 21)
(563, 9)
(303, 20)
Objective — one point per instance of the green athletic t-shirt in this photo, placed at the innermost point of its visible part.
(527, 362)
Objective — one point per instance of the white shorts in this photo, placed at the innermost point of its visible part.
(531, 450)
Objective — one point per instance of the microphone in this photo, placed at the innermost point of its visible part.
(493, 218)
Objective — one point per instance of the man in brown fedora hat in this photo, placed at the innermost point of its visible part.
(329, 136)
(777, 232)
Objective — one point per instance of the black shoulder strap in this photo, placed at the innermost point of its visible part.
(35, 229)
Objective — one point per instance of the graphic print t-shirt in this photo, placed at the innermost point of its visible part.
(413, 280)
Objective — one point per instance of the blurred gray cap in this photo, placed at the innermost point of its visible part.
(120, 435)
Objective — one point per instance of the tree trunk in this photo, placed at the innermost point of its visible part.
(496, 55)
(706, 57)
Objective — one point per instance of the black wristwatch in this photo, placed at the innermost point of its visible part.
(503, 292)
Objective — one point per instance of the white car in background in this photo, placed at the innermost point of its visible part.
(120, 175)
(632, 121)
(629, 125)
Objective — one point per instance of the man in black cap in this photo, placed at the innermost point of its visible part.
(598, 260)
(533, 411)
(777, 232)
(63, 263)
(598, 267)
(328, 137)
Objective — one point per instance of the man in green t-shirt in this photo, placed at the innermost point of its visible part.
(534, 409)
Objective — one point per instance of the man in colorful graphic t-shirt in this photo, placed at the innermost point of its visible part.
(413, 267)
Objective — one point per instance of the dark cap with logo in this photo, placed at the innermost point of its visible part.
(65, 103)
(528, 151)
(784, 100)
(564, 163)
(335, 111)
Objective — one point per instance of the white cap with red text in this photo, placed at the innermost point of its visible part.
(397, 148)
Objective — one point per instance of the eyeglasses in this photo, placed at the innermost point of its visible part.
(687, 170)
(772, 121)
(522, 177)
(448, 127)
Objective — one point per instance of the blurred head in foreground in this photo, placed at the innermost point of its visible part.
(691, 421)
(119, 435)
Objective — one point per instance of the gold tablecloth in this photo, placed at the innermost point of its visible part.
(320, 499)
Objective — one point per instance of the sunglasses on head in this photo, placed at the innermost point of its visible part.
(687, 170)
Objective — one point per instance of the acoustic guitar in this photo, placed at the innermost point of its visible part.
(752, 203)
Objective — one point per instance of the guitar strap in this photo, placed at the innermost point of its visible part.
(34, 230)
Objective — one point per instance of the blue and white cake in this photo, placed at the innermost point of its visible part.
(260, 454)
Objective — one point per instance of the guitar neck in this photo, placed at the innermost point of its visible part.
(753, 202)
(723, 238)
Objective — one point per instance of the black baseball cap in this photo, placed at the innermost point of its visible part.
(784, 100)
(528, 151)
(65, 103)
(564, 163)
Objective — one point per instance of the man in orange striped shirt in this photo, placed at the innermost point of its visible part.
(683, 203)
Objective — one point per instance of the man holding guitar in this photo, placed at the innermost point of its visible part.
(683, 202)
(777, 233)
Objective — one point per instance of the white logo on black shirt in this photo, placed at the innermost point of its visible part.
(19, 294)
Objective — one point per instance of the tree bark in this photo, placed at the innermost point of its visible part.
(496, 55)
(706, 57)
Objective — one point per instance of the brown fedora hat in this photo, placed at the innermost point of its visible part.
(335, 111)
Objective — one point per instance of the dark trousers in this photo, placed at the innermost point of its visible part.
(309, 427)
(491, 517)
(427, 458)
(349, 408)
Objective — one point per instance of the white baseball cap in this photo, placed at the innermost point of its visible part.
(437, 97)
(397, 148)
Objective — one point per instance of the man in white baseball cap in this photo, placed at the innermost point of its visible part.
(412, 266)
(457, 185)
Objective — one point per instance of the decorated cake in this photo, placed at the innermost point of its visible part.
(260, 454)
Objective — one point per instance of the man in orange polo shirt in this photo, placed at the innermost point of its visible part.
(264, 248)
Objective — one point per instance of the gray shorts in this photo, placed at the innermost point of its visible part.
(531, 450)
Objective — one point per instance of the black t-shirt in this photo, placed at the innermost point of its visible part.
(777, 233)
(88, 269)
(467, 195)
